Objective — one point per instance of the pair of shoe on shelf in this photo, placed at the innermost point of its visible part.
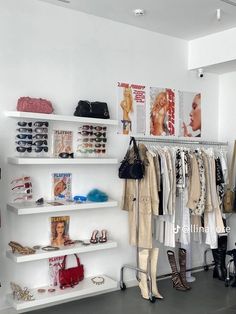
(95, 238)
(17, 247)
(178, 278)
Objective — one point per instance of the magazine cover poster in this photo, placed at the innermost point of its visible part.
(162, 111)
(190, 120)
(62, 186)
(62, 142)
(131, 109)
(59, 230)
(54, 266)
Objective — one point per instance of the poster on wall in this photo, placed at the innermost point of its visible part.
(162, 111)
(131, 109)
(190, 119)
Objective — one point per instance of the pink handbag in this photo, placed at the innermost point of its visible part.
(29, 104)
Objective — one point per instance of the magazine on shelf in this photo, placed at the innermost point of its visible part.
(62, 142)
(59, 230)
(61, 186)
(54, 266)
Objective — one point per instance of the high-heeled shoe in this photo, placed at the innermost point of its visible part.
(21, 294)
(94, 237)
(17, 247)
(103, 237)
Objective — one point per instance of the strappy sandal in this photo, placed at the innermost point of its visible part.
(103, 237)
(94, 237)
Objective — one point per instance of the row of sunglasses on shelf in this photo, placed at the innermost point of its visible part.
(91, 140)
(32, 137)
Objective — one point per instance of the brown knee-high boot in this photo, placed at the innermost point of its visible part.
(177, 283)
(182, 266)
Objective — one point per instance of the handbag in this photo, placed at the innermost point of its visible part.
(132, 166)
(70, 277)
(89, 109)
(38, 105)
(229, 199)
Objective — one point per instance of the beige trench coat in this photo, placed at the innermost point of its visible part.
(148, 202)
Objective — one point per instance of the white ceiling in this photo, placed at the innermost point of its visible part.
(187, 19)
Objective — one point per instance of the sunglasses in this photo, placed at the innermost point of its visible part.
(40, 143)
(39, 149)
(41, 130)
(85, 133)
(22, 123)
(66, 155)
(24, 136)
(40, 123)
(25, 191)
(85, 150)
(97, 139)
(100, 145)
(24, 197)
(20, 179)
(21, 149)
(85, 140)
(86, 145)
(91, 127)
(24, 143)
(98, 134)
(26, 130)
(98, 151)
(25, 185)
(40, 136)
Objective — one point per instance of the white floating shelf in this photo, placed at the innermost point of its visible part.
(27, 208)
(84, 289)
(55, 117)
(60, 161)
(65, 250)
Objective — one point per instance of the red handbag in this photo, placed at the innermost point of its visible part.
(38, 105)
(72, 276)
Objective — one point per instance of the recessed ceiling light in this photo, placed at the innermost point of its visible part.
(64, 1)
(139, 12)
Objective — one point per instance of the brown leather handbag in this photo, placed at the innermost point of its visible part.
(70, 277)
(229, 200)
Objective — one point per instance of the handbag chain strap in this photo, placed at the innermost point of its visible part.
(230, 185)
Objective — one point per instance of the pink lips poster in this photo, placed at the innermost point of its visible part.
(190, 118)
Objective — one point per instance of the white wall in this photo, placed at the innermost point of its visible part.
(63, 55)
(212, 49)
(227, 127)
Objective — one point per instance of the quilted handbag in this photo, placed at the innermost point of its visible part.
(89, 109)
(38, 105)
(132, 166)
(70, 277)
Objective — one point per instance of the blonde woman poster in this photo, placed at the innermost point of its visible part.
(162, 114)
(190, 114)
(131, 109)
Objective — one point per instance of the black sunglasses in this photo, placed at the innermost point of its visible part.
(22, 123)
(99, 134)
(91, 127)
(40, 143)
(24, 143)
(85, 133)
(39, 149)
(40, 136)
(100, 145)
(21, 149)
(66, 155)
(24, 136)
(97, 139)
(41, 123)
(24, 130)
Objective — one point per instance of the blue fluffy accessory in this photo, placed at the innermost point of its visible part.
(97, 196)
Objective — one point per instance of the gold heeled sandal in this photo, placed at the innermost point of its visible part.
(17, 247)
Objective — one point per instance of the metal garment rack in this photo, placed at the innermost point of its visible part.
(165, 141)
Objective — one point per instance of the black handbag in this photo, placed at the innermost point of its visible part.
(89, 109)
(132, 166)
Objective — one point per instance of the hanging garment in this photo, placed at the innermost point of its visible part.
(148, 202)
(201, 202)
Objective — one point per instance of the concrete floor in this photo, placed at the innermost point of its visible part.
(207, 296)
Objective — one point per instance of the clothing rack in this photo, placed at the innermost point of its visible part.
(167, 141)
